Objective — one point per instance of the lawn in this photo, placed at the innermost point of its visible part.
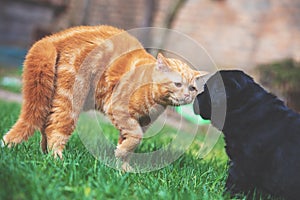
(26, 173)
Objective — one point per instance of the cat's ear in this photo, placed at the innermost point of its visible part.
(161, 57)
(200, 79)
(161, 64)
(200, 74)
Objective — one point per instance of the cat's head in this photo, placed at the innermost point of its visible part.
(177, 81)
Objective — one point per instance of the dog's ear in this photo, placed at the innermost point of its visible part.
(237, 81)
(234, 85)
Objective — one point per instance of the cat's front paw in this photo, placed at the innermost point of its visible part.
(121, 153)
(126, 167)
(122, 156)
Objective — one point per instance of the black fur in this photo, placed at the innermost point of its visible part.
(262, 135)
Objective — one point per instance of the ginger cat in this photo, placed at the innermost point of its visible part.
(103, 68)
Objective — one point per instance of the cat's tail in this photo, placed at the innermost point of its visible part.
(38, 88)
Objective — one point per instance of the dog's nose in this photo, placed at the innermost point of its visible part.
(196, 107)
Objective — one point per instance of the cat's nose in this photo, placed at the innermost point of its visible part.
(186, 96)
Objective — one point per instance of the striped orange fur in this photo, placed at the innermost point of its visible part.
(91, 67)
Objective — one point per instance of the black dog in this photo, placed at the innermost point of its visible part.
(262, 135)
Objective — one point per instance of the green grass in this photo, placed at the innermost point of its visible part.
(26, 173)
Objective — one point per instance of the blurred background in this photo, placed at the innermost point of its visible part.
(261, 37)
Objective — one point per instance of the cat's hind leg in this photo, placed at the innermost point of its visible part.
(60, 124)
(44, 141)
(68, 100)
(38, 88)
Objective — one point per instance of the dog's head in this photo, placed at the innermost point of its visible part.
(223, 93)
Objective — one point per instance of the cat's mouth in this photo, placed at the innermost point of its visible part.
(181, 101)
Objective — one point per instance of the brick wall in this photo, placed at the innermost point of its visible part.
(18, 21)
(123, 14)
(235, 32)
(243, 33)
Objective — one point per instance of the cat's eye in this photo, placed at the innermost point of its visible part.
(178, 84)
(192, 88)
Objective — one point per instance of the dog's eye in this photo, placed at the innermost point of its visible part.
(178, 84)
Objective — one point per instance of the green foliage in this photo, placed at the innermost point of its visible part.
(281, 73)
(283, 78)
